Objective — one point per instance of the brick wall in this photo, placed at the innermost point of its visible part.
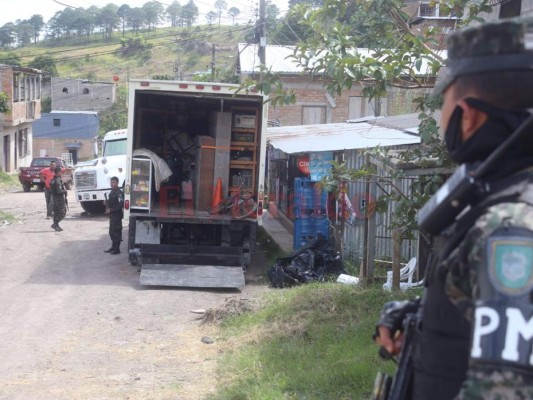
(313, 93)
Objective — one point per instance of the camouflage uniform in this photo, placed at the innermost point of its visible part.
(58, 192)
(115, 203)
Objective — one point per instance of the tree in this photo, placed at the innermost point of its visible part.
(220, 5)
(173, 13)
(123, 12)
(108, 20)
(233, 12)
(4, 102)
(189, 13)
(136, 19)
(153, 10)
(288, 30)
(25, 33)
(7, 35)
(46, 64)
(211, 16)
(37, 23)
(313, 3)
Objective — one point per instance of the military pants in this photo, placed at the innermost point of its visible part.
(49, 202)
(60, 209)
(115, 227)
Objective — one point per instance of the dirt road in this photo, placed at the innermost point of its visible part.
(76, 324)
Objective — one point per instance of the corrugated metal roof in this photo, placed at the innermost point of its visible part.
(72, 125)
(333, 137)
(277, 59)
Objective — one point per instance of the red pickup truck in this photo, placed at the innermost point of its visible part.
(29, 176)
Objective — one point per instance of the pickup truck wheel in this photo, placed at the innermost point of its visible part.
(26, 187)
(93, 207)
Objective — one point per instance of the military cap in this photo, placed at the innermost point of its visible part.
(505, 45)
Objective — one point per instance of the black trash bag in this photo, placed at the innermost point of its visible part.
(313, 262)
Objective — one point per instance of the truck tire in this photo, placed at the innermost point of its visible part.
(26, 187)
(93, 207)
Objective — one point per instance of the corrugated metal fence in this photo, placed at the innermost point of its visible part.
(360, 194)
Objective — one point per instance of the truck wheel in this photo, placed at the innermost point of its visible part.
(93, 207)
(26, 187)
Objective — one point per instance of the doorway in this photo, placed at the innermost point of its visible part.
(7, 152)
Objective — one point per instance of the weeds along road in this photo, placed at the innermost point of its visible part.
(76, 324)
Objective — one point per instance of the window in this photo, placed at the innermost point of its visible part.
(510, 9)
(65, 90)
(85, 91)
(57, 122)
(360, 107)
(433, 10)
(313, 115)
(23, 142)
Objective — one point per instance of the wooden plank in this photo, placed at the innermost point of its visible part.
(201, 276)
(203, 180)
(222, 133)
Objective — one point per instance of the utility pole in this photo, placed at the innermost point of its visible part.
(261, 31)
(213, 62)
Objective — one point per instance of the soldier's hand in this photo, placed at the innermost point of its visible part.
(385, 338)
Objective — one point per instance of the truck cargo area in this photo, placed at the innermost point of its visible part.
(189, 150)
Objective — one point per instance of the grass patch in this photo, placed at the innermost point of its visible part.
(7, 182)
(308, 342)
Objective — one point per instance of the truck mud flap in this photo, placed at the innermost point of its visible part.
(201, 276)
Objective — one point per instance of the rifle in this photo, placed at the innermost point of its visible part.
(66, 202)
(398, 387)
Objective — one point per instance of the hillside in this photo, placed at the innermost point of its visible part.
(164, 52)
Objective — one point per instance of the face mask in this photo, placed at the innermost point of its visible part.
(499, 125)
(452, 136)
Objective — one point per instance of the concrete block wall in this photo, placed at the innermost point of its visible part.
(79, 95)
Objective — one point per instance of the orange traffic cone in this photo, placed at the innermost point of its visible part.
(217, 197)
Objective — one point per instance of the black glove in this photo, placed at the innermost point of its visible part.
(393, 313)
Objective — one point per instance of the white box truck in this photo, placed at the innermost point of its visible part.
(194, 182)
(91, 178)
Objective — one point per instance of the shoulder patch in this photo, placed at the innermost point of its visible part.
(511, 264)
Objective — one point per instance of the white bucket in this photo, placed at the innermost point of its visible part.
(348, 279)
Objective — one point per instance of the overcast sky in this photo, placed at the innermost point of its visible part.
(11, 10)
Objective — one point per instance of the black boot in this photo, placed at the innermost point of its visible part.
(110, 249)
(115, 249)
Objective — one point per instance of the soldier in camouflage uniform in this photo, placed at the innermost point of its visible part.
(58, 192)
(115, 204)
(475, 339)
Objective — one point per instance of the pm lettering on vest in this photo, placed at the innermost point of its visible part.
(490, 328)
